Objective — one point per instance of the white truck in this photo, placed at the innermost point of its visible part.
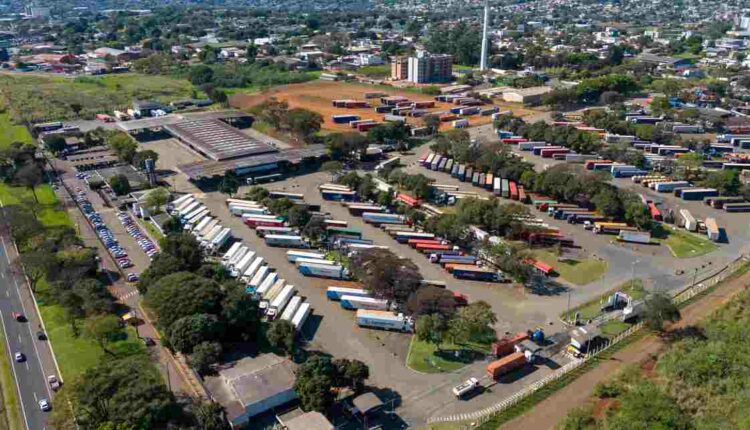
(239, 268)
(230, 252)
(209, 237)
(271, 294)
(301, 316)
(466, 387)
(283, 240)
(291, 308)
(277, 305)
(237, 257)
(643, 237)
(292, 256)
(324, 271)
(258, 278)
(219, 241)
(241, 209)
(206, 229)
(384, 320)
(204, 222)
(250, 271)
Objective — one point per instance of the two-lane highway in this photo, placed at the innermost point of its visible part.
(21, 336)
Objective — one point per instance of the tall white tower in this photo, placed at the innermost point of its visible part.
(485, 29)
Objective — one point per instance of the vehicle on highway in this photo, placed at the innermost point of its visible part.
(148, 341)
(44, 405)
(20, 357)
(54, 383)
(41, 336)
(18, 316)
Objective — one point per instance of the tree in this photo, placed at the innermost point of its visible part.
(229, 184)
(432, 300)
(474, 322)
(187, 332)
(431, 328)
(120, 184)
(183, 294)
(726, 181)
(659, 308)
(205, 355)
(304, 123)
(350, 373)
(314, 383)
(30, 176)
(185, 248)
(251, 53)
(332, 167)
(127, 390)
(37, 264)
(298, 216)
(432, 122)
(387, 275)
(691, 164)
(239, 311)
(123, 145)
(140, 157)
(155, 199)
(281, 335)
(104, 329)
(200, 74)
(210, 416)
(343, 146)
(273, 112)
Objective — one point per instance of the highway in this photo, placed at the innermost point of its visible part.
(31, 375)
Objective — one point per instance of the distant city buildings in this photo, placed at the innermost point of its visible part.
(423, 68)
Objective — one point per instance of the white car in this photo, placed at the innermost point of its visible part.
(20, 357)
(44, 405)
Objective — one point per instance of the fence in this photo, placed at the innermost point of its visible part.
(484, 415)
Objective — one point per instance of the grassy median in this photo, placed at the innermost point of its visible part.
(684, 244)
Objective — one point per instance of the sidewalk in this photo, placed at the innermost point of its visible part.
(548, 413)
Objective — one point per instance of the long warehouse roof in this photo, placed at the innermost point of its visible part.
(207, 169)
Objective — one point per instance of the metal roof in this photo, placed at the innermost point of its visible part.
(207, 169)
(217, 140)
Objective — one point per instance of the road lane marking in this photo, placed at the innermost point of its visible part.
(5, 250)
(7, 293)
(28, 369)
(19, 338)
(13, 369)
(36, 399)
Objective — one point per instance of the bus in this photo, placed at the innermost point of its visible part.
(265, 178)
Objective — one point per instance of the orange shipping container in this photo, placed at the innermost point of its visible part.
(506, 364)
(505, 345)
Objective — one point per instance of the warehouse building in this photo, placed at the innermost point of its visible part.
(527, 96)
(252, 386)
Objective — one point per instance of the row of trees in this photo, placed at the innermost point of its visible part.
(580, 141)
(591, 90)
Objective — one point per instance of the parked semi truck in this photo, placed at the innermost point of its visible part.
(384, 320)
(506, 364)
(286, 241)
(324, 271)
(643, 237)
(301, 316)
(359, 302)
(335, 293)
(381, 218)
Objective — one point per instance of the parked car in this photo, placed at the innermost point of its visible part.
(54, 383)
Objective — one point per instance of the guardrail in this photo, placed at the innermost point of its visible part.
(682, 296)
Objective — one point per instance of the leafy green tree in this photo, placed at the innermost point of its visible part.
(474, 322)
(187, 332)
(183, 294)
(386, 275)
(127, 390)
(30, 176)
(200, 74)
(54, 143)
(431, 328)
(304, 123)
(140, 157)
(36, 265)
(273, 112)
(120, 184)
(205, 355)
(210, 416)
(350, 373)
(229, 184)
(333, 167)
(432, 300)
(185, 248)
(155, 199)
(104, 329)
(659, 309)
(342, 146)
(123, 145)
(314, 383)
(281, 335)
(432, 122)
(239, 311)
(726, 181)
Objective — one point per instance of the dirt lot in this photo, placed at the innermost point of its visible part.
(317, 96)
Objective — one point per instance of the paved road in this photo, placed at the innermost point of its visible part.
(30, 375)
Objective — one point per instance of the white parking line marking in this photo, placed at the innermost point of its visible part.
(19, 338)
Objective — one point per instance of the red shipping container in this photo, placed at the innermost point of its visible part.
(505, 345)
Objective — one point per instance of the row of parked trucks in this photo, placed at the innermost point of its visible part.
(277, 298)
(197, 219)
(371, 312)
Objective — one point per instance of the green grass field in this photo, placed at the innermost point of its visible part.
(578, 272)
(592, 308)
(422, 356)
(684, 244)
(41, 98)
(375, 71)
(10, 133)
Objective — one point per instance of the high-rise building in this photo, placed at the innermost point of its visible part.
(425, 68)
(400, 68)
